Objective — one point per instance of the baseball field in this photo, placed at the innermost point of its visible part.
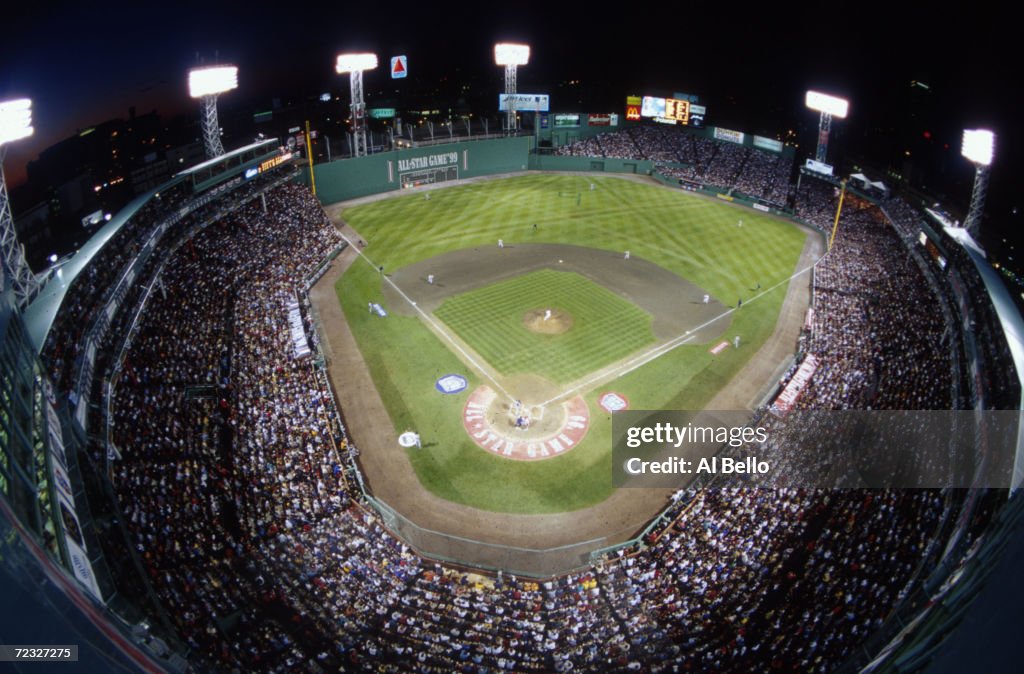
(554, 327)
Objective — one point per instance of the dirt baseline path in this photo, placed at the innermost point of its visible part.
(530, 544)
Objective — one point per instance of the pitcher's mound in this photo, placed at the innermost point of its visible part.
(557, 322)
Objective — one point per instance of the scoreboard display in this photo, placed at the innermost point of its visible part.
(677, 109)
(666, 110)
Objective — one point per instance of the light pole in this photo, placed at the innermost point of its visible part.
(354, 65)
(206, 84)
(978, 147)
(511, 56)
(829, 107)
(15, 123)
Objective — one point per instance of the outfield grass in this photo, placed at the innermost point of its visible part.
(605, 328)
(696, 238)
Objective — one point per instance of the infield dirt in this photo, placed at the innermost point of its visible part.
(447, 529)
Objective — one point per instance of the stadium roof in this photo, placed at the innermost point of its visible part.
(268, 144)
(1009, 318)
(40, 314)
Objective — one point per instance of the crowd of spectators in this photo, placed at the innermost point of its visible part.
(234, 482)
(998, 385)
(588, 147)
(691, 158)
(88, 293)
(220, 426)
(877, 321)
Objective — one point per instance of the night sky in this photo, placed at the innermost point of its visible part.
(85, 63)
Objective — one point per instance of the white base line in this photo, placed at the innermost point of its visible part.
(626, 367)
(438, 327)
(661, 349)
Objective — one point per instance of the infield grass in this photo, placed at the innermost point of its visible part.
(605, 327)
(695, 238)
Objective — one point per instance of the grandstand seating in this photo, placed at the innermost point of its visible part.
(756, 173)
(234, 481)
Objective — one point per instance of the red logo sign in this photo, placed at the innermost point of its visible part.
(399, 67)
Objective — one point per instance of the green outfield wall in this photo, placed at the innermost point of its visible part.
(415, 167)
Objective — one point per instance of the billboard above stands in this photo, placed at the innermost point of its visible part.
(729, 135)
(818, 167)
(697, 113)
(524, 102)
(603, 120)
(767, 144)
(668, 110)
(652, 106)
(678, 110)
(567, 119)
(633, 104)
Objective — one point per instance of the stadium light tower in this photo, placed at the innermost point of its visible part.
(978, 147)
(354, 65)
(829, 107)
(15, 123)
(511, 56)
(206, 84)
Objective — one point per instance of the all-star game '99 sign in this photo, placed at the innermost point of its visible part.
(399, 67)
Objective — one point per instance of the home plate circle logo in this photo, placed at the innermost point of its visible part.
(521, 431)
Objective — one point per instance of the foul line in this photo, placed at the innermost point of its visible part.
(625, 368)
(427, 317)
(660, 350)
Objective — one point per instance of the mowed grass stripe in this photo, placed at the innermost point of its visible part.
(696, 238)
(605, 327)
